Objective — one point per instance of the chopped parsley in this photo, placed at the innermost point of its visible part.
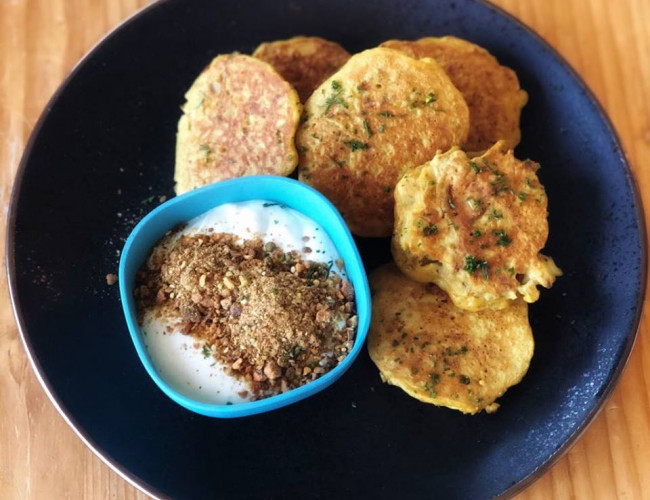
(206, 351)
(302, 149)
(472, 264)
(429, 99)
(451, 204)
(476, 233)
(474, 167)
(495, 214)
(366, 127)
(206, 149)
(386, 189)
(148, 200)
(522, 196)
(335, 98)
(499, 184)
(474, 203)
(503, 239)
(430, 230)
(451, 352)
(356, 145)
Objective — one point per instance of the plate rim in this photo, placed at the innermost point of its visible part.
(150, 490)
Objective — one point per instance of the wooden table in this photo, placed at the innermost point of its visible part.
(607, 42)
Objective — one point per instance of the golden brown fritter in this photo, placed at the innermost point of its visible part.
(443, 355)
(380, 114)
(240, 118)
(305, 62)
(491, 90)
(474, 227)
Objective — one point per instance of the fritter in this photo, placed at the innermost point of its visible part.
(305, 62)
(491, 90)
(443, 355)
(474, 226)
(240, 118)
(380, 114)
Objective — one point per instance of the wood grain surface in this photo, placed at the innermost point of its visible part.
(606, 41)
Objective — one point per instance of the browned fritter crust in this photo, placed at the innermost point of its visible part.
(491, 90)
(305, 62)
(440, 354)
(239, 119)
(380, 114)
(474, 226)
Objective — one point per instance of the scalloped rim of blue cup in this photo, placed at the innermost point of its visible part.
(181, 209)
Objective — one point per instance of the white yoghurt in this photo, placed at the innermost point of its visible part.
(180, 359)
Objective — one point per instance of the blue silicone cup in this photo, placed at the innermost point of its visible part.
(187, 206)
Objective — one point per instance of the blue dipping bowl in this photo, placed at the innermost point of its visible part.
(181, 209)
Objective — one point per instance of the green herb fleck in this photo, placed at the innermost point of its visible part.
(511, 271)
(381, 129)
(206, 149)
(431, 97)
(495, 214)
(430, 389)
(335, 98)
(451, 204)
(386, 189)
(474, 167)
(499, 184)
(386, 114)
(464, 379)
(503, 239)
(366, 127)
(206, 351)
(522, 196)
(148, 200)
(356, 145)
(273, 204)
(430, 230)
(472, 264)
(302, 149)
(475, 204)
(476, 233)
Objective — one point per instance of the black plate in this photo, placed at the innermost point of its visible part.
(105, 145)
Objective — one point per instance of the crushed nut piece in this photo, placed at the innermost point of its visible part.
(273, 319)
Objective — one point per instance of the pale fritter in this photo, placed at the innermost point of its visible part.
(474, 227)
(443, 355)
(240, 118)
(380, 114)
(491, 90)
(305, 62)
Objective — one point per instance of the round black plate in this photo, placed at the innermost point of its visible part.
(103, 152)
